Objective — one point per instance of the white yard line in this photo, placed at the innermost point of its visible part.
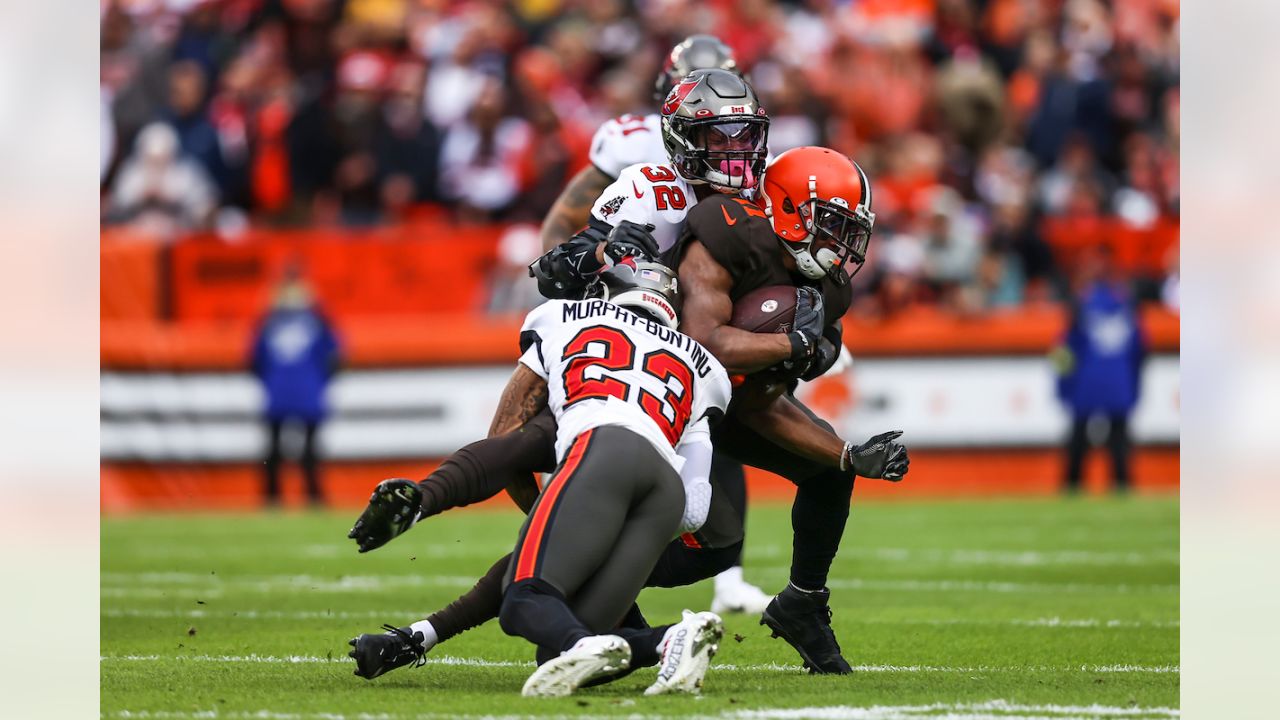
(1002, 558)
(988, 710)
(773, 667)
(196, 614)
(116, 584)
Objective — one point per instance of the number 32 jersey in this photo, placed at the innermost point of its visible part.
(648, 193)
(605, 365)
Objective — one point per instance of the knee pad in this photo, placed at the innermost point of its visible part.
(520, 602)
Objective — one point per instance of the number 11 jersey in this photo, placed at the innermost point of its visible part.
(606, 365)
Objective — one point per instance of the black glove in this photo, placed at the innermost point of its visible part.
(630, 239)
(806, 333)
(393, 508)
(824, 357)
(568, 267)
(880, 458)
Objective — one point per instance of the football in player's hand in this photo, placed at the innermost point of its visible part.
(770, 309)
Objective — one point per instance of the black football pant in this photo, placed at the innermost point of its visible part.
(308, 462)
(591, 539)
(821, 506)
(1119, 448)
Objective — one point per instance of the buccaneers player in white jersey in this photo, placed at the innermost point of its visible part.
(633, 401)
(629, 139)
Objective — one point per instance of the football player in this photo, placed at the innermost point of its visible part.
(810, 227)
(633, 140)
(633, 399)
(629, 139)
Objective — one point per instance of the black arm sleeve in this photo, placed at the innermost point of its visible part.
(486, 467)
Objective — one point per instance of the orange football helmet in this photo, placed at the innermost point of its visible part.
(820, 204)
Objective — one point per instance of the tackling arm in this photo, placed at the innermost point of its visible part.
(705, 286)
(572, 209)
(524, 396)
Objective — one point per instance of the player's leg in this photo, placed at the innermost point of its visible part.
(683, 650)
(800, 614)
(712, 549)
(271, 464)
(474, 473)
(577, 522)
(379, 653)
(732, 592)
(565, 540)
(1118, 446)
(1077, 448)
(310, 463)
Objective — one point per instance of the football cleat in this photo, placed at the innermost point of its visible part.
(803, 619)
(590, 658)
(735, 595)
(379, 654)
(687, 649)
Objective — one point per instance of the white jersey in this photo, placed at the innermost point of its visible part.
(605, 365)
(627, 140)
(651, 193)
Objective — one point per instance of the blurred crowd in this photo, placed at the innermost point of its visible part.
(980, 121)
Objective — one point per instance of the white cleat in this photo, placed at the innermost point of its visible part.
(735, 595)
(687, 649)
(589, 658)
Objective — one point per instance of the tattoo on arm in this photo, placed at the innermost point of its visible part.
(573, 207)
(524, 396)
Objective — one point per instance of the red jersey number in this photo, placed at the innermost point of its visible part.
(665, 196)
(619, 354)
(631, 123)
(671, 412)
(665, 366)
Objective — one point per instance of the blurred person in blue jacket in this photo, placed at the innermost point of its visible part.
(295, 355)
(1099, 366)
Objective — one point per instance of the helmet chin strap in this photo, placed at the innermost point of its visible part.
(805, 262)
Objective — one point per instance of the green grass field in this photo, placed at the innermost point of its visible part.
(992, 609)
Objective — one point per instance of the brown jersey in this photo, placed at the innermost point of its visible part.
(741, 239)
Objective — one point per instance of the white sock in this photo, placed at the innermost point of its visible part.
(732, 576)
(429, 637)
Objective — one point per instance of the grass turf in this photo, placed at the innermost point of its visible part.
(1013, 608)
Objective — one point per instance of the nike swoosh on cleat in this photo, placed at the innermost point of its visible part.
(727, 220)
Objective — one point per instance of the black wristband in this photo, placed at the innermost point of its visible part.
(801, 346)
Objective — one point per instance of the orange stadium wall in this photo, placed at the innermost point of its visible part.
(407, 299)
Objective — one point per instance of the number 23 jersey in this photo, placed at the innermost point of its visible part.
(605, 365)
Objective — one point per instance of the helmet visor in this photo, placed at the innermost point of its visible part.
(838, 230)
(731, 149)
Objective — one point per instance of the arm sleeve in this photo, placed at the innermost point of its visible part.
(695, 448)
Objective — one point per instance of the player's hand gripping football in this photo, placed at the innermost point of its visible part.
(879, 458)
(393, 508)
(807, 347)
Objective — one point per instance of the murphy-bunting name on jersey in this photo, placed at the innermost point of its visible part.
(588, 309)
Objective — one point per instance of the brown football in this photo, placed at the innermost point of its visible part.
(770, 309)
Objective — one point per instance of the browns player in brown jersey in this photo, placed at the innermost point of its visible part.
(809, 227)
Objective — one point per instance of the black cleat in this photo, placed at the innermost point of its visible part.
(379, 654)
(803, 619)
